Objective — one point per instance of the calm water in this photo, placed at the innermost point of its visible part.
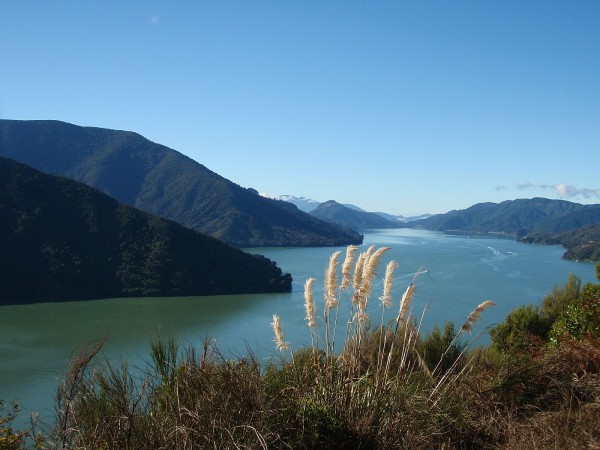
(461, 271)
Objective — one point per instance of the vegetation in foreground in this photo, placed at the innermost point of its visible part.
(390, 386)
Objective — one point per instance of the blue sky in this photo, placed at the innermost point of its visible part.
(405, 107)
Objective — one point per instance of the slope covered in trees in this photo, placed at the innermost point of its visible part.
(515, 217)
(164, 182)
(582, 243)
(62, 240)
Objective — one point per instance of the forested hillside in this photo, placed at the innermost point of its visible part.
(62, 240)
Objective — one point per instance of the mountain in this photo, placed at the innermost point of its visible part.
(164, 182)
(513, 217)
(63, 240)
(588, 215)
(357, 220)
(582, 244)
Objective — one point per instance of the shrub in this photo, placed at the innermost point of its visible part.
(555, 303)
(581, 318)
(522, 330)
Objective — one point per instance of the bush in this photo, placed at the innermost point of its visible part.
(555, 303)
(522, 331)
(581, 319)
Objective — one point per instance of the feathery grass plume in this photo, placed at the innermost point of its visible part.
(474, 316)
(369, 270)
(364, 274)
(346, 266)
(358, 272)
(386, 298)
(405, 302)
(279, 339)
(331, 300)
(309, 303)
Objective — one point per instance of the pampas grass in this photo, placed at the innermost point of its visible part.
(279, 339)
(396, 341)
(474, 316)
(386, 297)
(309, 303)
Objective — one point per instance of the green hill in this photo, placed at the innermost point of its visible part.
(335, 212)
(62, 240)
(164, 182)
(582, 244)
(515, 217)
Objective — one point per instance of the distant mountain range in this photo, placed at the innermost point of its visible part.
(62, 240)
(515, 217)
(356, 219)
(164, 182)
(308, 205)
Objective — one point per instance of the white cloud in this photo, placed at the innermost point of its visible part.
(569, 191)
(563, 190)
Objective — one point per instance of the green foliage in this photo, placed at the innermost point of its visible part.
(598, 271)
(11, 439)
(555, 303)
(581, 318)
(522, 329)
(441, 350)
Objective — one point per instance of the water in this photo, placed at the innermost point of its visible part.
(460, 272)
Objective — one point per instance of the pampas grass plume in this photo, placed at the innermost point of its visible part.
(309, 303)
(279, 339)
(474, 316)
(347, 265)
(386, 298)
(331, 281)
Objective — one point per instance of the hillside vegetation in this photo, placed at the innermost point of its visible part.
(62, 240)
(536, 220)
(378, 386)
(515, 217)
(164, 182)
(582, 244)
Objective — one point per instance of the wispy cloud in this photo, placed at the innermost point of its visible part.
(525, 186)
(500, 188)
(563, 190)
(567, 190)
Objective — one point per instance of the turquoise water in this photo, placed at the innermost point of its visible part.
(460, 272)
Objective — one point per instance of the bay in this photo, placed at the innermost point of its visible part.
(457, 272)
